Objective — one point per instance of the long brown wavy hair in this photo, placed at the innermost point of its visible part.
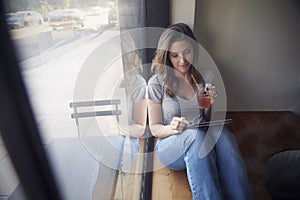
(161, 63)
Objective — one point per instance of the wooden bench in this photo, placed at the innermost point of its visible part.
(259, 135)
(169, 184)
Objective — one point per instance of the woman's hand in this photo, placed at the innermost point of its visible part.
(211, 92)
(157, 124)
(178, 124)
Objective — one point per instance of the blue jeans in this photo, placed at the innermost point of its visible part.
(221, 174)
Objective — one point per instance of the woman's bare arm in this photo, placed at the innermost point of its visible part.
(139, 116)
(158, 129)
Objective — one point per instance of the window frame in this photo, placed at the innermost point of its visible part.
(18, 127)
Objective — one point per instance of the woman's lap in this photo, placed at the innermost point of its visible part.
(223, 164)
(171, 150)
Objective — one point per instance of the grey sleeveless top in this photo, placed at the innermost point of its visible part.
(173, 106)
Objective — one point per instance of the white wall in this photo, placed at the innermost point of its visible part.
(256, 46)
(183, 11)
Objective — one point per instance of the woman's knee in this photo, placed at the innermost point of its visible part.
(193, 136)
(227, 137)
(227, 144)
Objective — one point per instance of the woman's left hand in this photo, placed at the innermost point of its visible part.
(211, 92)
(178, 124)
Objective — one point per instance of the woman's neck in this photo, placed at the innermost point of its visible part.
(184, 78)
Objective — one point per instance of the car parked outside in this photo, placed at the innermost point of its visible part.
(24, 18)
(112, 15)
(96, 10)
(9, 15)
(58, 20)
(76, 15)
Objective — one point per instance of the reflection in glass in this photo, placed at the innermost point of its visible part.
(112, 139)
(134, 122)
(72, 53)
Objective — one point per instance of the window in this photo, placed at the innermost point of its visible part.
(53, 48)
(58, 48)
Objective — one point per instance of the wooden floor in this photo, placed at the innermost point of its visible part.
(259, 134)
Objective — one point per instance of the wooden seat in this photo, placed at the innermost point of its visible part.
(259, 135)
(168, 184)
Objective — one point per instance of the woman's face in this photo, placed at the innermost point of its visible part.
(181, 56)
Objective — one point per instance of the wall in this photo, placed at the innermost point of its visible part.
(183, 11)
(256, 46)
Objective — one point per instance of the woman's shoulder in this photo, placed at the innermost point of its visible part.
(139, 80)
(155, 79)
(155, 88)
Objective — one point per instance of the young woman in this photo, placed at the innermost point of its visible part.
(173, 104)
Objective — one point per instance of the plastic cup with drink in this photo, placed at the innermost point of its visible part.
(205, 95)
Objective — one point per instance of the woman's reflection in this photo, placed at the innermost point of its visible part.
(134, 86)
(130, 88)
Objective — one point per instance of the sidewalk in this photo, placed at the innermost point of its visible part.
(50, 79)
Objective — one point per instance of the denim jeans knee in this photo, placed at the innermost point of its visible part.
(171, 150)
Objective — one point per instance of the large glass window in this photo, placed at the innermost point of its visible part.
(86, 87)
